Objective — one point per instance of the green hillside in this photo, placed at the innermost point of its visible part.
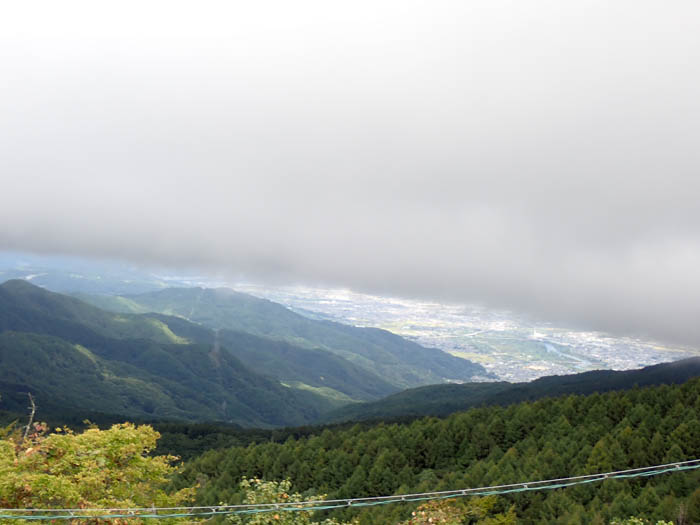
(72, 355)
(546, 439)
(442, 400)
(398, 362)
(310, 368)
(28, 308)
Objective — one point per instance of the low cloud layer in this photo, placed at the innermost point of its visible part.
(533, 155)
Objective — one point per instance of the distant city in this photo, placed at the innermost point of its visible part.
(506, 344)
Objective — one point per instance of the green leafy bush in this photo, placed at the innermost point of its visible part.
(95, 469)
(260, 491)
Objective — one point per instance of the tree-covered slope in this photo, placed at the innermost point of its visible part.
(306, 368)
(546, 439)
(401, 363)
(25, 307)
(441, 400)
(75, 356)
(28, 308)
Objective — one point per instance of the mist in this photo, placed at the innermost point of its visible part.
(537, 156)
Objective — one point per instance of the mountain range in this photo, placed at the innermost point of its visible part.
(72, 355)
(443, 400)
(393, 362)
(193, 354)
(282, 370)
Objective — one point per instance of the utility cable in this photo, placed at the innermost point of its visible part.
(314, 505)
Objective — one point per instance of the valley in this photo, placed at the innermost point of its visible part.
(350, 263)
(510, 346)
(244, 388)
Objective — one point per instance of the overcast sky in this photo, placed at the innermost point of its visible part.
(537, 155)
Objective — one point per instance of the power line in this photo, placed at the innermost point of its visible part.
(314, 505)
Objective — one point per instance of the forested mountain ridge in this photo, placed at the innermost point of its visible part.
(189, 440)
(400, 362)
(74, 356)
(442, 400)
(546, 439)
(28, 308)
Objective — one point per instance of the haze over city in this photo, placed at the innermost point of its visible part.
(535, 157)
(350, 263)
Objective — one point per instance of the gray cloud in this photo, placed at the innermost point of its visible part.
(534, 155)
